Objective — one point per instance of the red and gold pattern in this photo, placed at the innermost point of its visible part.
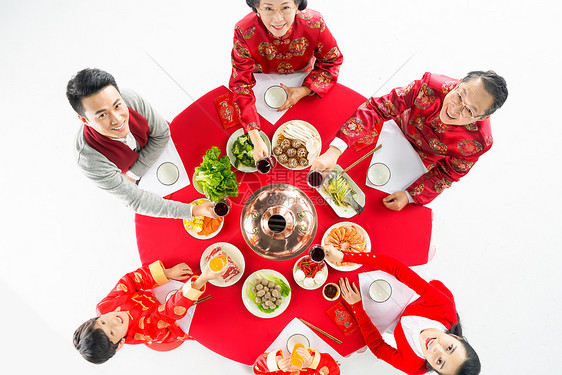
(352, 127)
(469, 147)
(448, 150)
(255, 49)
(449, 86)
(150, 321)
(425, 97)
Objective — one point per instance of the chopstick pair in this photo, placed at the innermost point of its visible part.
(363, 157)
(203, 299)
(321, 331)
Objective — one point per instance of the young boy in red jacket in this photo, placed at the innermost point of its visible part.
(130, 314)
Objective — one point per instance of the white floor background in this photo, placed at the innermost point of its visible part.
(64, 243)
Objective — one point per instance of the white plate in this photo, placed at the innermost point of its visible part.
(367, 242)
(196, 184)
(232, 158)
(323, 271)
(251, 305)
(198, 236)
(344, 212)
(234, 254)
(311, 155)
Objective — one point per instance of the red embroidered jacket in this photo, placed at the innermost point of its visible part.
(435, 302)
(150, 321)
(448, 151)
(307, 46)
(322, 364)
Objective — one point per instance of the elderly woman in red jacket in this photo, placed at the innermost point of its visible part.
(428, 334)
(282, 37)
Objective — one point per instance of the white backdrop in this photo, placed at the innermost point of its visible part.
(64, 243)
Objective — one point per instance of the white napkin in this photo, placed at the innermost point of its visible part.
(161, 291)
(384, 315)
(399, 156)
(149, 180)
(316, 343)
(265, 81)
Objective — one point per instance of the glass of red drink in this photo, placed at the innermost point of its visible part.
(265, 165)
(317, 253)
(315, 178)
(222, 207)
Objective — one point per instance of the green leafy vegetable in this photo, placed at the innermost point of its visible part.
(215, 177)
(243, 151)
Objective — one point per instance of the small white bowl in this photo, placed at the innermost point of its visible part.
(380, 290)
(337, 294)
(275, 96)
(378, 174)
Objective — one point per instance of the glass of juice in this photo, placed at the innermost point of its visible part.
(317, 253)
(222, 207)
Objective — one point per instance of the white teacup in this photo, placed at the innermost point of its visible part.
(378, 174)
(380, 290)
(297, 338)
(275, 96)
(168, 173)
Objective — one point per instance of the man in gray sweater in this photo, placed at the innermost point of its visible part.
(120, 137)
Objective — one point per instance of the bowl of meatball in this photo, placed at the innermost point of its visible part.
(266, 293)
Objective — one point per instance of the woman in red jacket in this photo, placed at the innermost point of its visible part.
(282, 37)
(428, 334)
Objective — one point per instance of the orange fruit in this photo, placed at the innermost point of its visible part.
(217, 263)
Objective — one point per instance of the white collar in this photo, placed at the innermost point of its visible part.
(412, 326)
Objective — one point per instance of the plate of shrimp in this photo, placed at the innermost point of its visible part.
(347, 236)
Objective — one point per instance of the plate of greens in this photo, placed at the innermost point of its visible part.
(240, 150)
(266, 293)
(214, 178)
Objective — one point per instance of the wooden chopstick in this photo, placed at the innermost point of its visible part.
(363, 158)
(203, 299)
(321, 331)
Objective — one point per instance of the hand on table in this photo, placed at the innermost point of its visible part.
(260, 148)
(204, 209)
(396, 201)
(178, 272)
(349, 293)
(327, 161)
(295, 94)
(332, 254)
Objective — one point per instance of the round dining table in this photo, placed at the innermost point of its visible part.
(223, 324)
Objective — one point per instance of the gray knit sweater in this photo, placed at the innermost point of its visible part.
(108, 177)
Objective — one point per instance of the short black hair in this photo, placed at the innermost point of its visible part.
(254, 4)
(93, 343)
(494, 84)
(85, 83)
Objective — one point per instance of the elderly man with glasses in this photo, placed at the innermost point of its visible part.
(445, 120)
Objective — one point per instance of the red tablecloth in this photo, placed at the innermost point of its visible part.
(223, 324)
